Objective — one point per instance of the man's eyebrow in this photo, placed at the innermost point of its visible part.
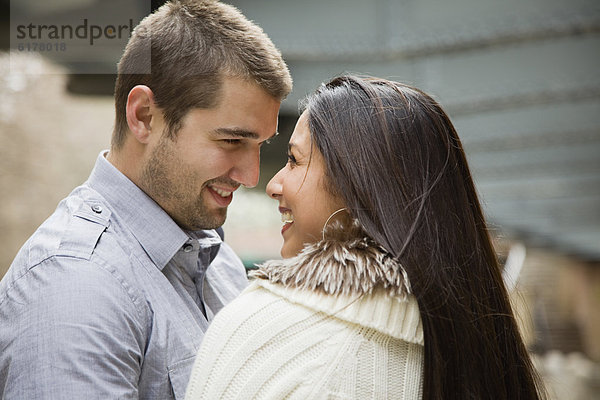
(241, 133)
(237, 132)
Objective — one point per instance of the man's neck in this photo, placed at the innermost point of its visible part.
(126, 161)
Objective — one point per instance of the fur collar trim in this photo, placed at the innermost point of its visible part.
(345, 262)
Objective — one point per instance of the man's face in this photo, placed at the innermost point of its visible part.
(193, 176)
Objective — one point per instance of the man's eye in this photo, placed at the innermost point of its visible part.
(232, 141)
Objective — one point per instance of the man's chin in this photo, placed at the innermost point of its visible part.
(213, 221)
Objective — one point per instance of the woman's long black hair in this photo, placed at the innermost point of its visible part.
(394, 157)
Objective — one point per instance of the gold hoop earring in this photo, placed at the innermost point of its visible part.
(329, 219)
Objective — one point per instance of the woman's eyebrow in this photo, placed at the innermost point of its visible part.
(292, 145)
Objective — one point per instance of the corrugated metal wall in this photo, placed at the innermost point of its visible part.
(520, 79)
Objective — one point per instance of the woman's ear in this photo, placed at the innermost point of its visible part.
(139, 110)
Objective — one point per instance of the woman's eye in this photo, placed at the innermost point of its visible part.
(291, 159)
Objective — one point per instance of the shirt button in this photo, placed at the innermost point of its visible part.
(188, 247)
(97, 209)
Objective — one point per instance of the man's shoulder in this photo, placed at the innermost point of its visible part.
(73, 230)
(72, 249)
(73, 233)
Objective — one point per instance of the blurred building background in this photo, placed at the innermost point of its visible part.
(520, 80)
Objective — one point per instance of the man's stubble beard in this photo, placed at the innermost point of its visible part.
(169, 182)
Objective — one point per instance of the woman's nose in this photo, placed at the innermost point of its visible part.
(274, 187)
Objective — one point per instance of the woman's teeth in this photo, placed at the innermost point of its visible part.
(220, 192)
(287, 217)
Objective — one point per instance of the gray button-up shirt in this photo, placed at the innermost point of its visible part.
(109, 298)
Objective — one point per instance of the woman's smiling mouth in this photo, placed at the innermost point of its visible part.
(287, 218)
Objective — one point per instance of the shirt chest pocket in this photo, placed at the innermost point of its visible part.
(179, 375)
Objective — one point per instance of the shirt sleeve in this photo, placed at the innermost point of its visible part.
(71, 329)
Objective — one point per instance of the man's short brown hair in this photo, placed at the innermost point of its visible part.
(191, 47)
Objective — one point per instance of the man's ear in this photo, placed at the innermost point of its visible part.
(139, 111)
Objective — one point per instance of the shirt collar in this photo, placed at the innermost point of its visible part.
(155, 230)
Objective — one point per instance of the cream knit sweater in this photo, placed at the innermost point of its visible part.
(305, 332)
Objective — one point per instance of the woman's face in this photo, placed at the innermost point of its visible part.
(304, 201)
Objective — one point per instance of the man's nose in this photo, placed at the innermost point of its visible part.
(247, 168)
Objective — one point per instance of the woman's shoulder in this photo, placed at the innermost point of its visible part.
(349, 277)
(274, 341)
(265, 303)
(266, 311)
(395, 316)
(257, 312)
